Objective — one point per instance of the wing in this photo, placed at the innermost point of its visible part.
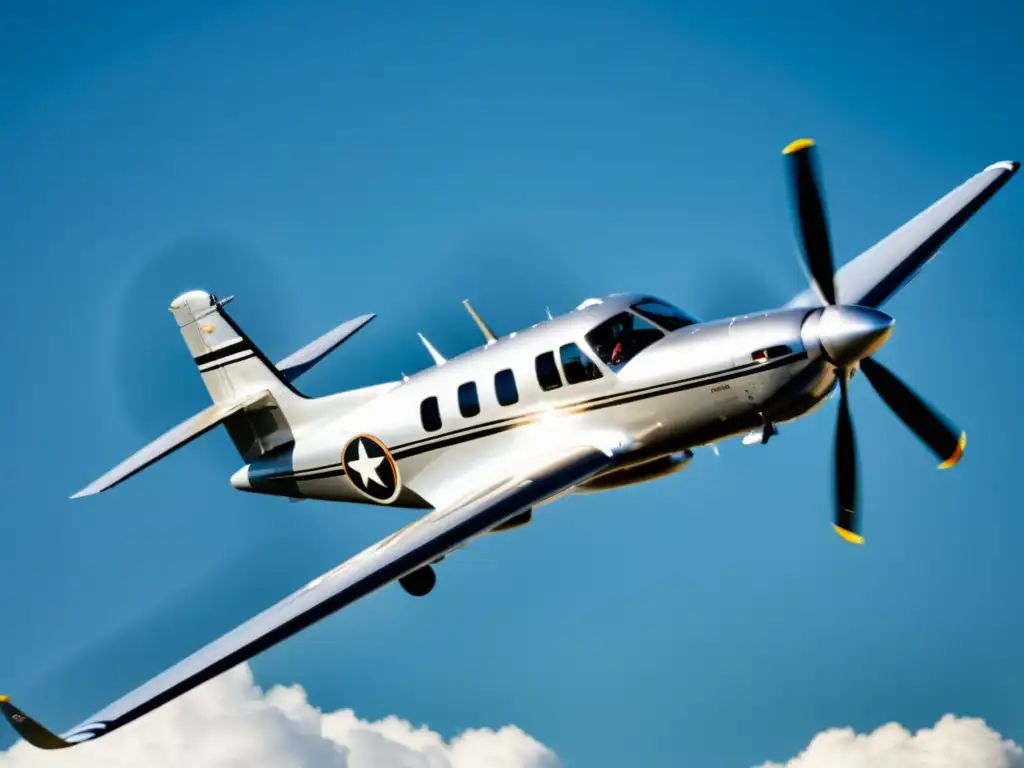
(878, 273)
(537, 476)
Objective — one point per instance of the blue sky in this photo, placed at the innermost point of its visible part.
(324, 160)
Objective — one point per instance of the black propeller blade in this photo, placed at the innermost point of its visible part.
(946, 442)
(934, 431)
(814, 237)
(817, 253)
(847, 523)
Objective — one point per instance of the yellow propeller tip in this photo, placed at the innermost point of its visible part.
(797, 145)
(958, 452)
(849, 536)
(4, 698)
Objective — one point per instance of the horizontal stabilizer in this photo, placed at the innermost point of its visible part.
(29, 729)
(167, 443)
(302, 360)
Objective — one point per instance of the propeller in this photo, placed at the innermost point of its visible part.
(849, 334)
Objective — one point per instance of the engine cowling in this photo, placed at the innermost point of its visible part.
(637, 473)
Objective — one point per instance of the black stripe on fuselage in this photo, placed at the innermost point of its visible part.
(616, 398)
(488, 429)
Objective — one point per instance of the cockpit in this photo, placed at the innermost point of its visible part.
(623, 336)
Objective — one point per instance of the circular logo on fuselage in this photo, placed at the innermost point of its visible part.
(371, 468)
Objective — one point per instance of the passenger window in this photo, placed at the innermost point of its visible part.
(430, 414)
(469, 402)
(505, 387)
(621, 338)
(665, 315)
(577, 366)
(547, 372)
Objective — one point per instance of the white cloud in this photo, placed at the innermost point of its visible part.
(231, 723)
(953, 742)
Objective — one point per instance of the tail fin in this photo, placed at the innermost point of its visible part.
(232, 367)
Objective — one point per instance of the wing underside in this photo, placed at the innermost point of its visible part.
(539, 476)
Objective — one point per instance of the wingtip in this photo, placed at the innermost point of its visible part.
(796, 146)
(957, 454)
(1004, 165)
(29, 729)
(849, 536)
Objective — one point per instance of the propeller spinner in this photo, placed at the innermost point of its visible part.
(850, 335)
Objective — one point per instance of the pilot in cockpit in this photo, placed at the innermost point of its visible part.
(615, 340)
(622, 337)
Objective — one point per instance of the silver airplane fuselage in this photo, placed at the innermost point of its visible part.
(693, 386)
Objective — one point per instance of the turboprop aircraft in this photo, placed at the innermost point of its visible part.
(617, 392)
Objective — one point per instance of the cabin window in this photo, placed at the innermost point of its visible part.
(577, 366)
(505, 387)
(622, 337)
(547, 372)
(764, 355)
(469, 402)
(430, 414)
(662, 314)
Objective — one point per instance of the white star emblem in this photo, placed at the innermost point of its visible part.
(367, 467)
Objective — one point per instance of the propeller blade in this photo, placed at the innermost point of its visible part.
(813, 227)
(847, 522)
(945, 440)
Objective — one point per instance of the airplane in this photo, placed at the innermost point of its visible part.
(617, 392)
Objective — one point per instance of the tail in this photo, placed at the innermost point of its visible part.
(253, 398)
(232, 367)
(235, 370)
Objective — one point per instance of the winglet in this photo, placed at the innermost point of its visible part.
(484, 329)
(29, 729)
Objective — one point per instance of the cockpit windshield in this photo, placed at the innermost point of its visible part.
(662, 314)
(622, 337)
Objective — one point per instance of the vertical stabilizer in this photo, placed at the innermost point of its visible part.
(231, 366)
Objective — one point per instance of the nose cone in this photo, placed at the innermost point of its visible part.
(849, 334)
(240, 479)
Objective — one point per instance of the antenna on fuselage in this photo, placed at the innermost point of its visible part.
(484, 329)
(439, 359)
(548, 311)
